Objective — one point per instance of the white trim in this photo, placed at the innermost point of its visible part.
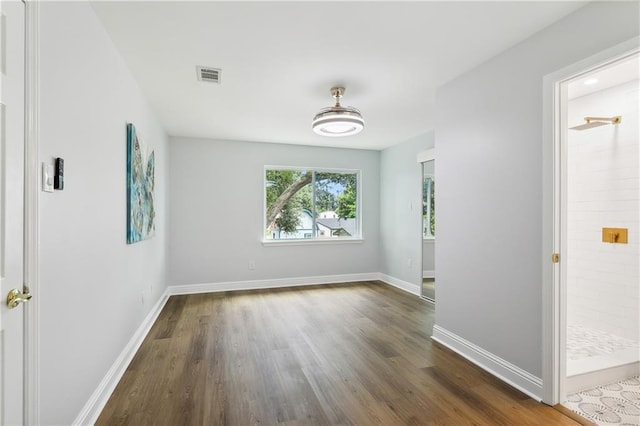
(504, 370)
(402, 285)
(311, 241)
(428, 274)
(93, 407)
(426, 155)
(593, 379)
(273, 283)
(311, 169)
(292, 282)
(552, 310)
(31, 214)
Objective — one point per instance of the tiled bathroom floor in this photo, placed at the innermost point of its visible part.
(585, 342)
(615, 403)
(590, 350)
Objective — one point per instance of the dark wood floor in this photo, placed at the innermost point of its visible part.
(335, 354)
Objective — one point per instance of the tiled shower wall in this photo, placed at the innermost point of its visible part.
(603, 281)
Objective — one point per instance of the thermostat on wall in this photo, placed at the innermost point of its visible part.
(58, 178)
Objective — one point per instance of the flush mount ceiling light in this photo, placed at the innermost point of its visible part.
(338, 120)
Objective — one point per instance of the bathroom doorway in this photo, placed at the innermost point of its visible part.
(428, 287)
(599, 240)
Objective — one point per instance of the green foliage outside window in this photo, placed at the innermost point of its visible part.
(290, 195)
(428, 208)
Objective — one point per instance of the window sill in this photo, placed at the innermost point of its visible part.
(311, 242)
(428, 239)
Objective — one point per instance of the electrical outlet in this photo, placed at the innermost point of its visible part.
(409, 263)
(252, 265)
(142, 297)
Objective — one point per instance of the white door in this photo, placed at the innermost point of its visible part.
(12, 123)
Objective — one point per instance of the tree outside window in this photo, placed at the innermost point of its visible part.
(311, 204)
(428, 208)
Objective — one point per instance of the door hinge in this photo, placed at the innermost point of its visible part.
(555, 257)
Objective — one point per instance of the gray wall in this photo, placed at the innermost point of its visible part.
(401, 209)
(91, 281)
(217, 191)
(489, 166)
(428, 255)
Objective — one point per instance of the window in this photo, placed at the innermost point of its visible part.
(428, 208)
(311, 204)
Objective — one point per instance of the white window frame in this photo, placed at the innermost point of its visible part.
(314, 240)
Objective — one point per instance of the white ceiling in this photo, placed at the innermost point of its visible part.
(605, 77)
(279, 60)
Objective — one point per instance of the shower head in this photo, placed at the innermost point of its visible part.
(589, 125)
(597, 121)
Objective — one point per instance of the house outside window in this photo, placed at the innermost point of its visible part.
(311, 204)
(428, 208)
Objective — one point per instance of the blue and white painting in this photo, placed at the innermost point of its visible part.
(140, 189)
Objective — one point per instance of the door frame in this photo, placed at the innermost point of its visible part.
(423, 157)
(31, 213)
(553, 290)
(30, 407)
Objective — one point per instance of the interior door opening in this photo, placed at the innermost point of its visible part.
(599, 243)
(12, 148)
(428, 286)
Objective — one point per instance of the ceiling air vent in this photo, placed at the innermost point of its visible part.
(212, 75)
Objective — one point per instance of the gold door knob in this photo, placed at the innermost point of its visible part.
(14, 298)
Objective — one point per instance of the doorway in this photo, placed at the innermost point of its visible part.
(599, 225)
(12, 173)
(19, 186)
(428, 286)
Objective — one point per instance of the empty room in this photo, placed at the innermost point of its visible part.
(327, 213)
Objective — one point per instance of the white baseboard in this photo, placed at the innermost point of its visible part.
(292, 282)
(274, 283)
(504, 370)
(428, 274)
(92, 409)
(402, 285)
(592, 379)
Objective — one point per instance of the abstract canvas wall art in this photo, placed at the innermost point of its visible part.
(140, 189)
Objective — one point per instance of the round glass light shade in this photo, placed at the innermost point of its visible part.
(338, 121)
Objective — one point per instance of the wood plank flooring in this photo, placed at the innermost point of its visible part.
(322, 355)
